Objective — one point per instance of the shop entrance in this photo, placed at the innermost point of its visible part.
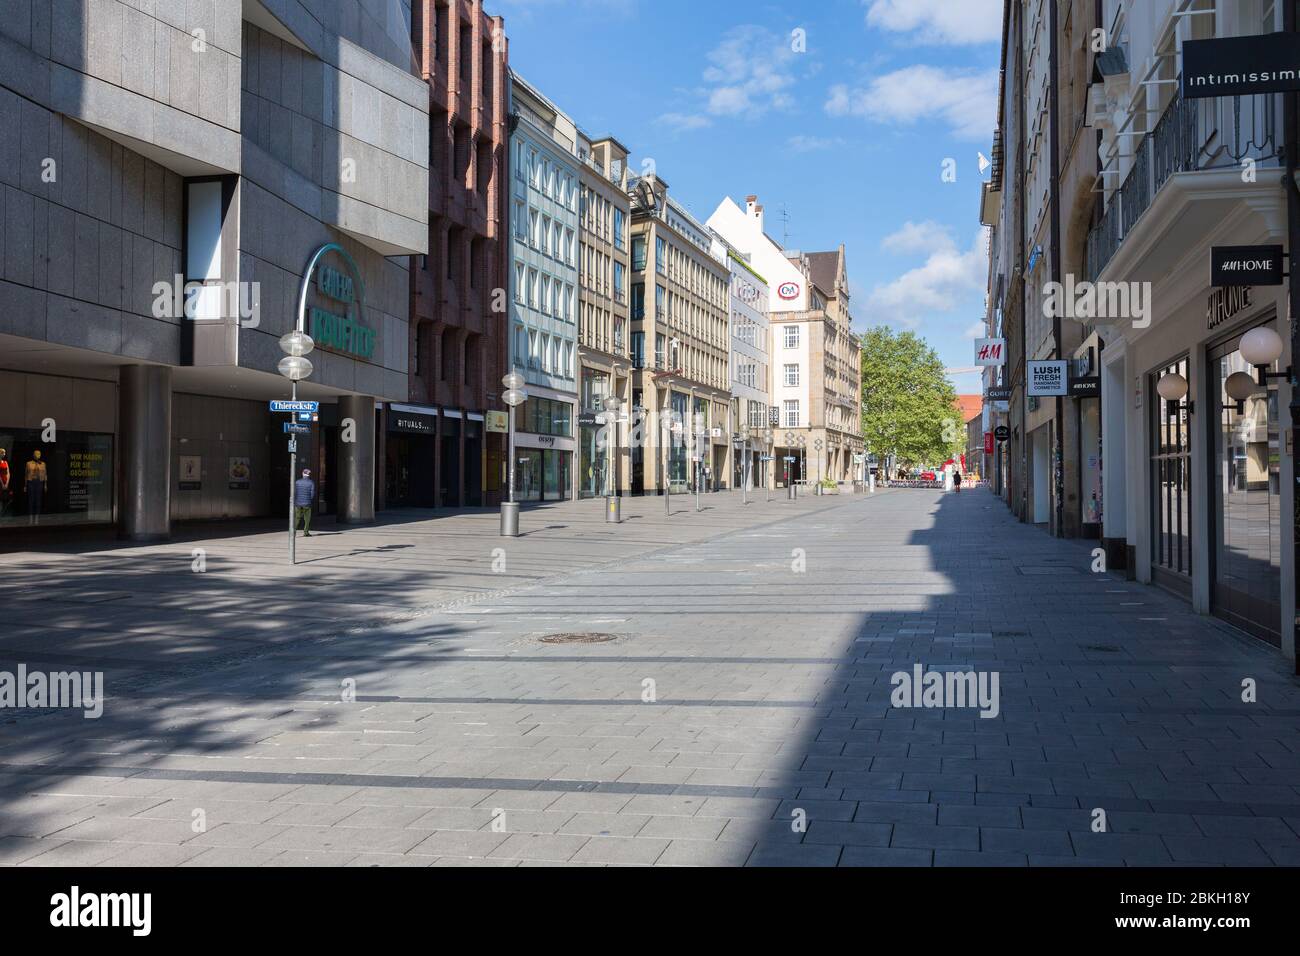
(409, 458)
(1246, 499)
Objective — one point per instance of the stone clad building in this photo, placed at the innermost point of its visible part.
(176, 184)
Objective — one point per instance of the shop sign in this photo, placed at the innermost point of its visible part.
(586, 419)
(412, 423)
(998, 393)
(1089, 387)
(498, 422)
(988, 443)
(1245, 265)
(335, 323)
(1224, 304)
(789, 290)
(1047, 378)
(1002, 433)
(1241, 66)
(990, 352)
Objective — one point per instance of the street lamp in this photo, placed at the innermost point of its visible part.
(744, 476)
(769, 439)
(296, 367)
(613, 504)
(790, 489)
(514, 396)
(819, 445)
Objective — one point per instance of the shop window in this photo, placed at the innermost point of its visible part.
(71, 482)
(1171, 483)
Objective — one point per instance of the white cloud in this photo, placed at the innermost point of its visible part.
(965, 99)
(948, 22)
(917, 237)
(949, 276)
(750, 72)
(975, 330)
(683, 122)
(812, 144)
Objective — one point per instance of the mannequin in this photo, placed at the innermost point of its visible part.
(34, 481)
(4, 483)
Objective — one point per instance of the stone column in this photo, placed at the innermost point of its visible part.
(144, 395)
(356, 460)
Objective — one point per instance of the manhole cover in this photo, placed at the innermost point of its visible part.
(588, 638)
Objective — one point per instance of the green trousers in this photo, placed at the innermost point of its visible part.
(303, 514)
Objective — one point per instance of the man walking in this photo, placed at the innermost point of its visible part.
(304, 494)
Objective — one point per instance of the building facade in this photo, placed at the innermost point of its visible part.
(545, 192)
(604, 312)
(436, 444)
(181, 187)
(815, 357)
(751, 370)
(681, 394)
(1184, 467)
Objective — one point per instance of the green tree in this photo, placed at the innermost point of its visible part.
(908, 405)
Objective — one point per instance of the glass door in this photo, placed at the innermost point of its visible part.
(1171, 490)
(1246, 499)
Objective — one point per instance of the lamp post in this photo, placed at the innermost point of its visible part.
(514, 396)
(295, 366)
(819, 445)
(613, 504)
(790, 489)
(768, 438)
(744, 476)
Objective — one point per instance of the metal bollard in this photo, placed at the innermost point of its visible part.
(510, 519)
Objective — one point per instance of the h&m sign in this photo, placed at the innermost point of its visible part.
(1245, 265)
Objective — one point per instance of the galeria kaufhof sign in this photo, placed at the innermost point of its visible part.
(335, 323)
(1241, 66)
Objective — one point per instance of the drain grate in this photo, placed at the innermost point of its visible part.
(590, 637)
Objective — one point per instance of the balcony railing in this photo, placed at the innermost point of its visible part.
(1191, 135)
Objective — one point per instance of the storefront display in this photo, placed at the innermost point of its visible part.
(1245, 502)
(1171, 485)
(66, 481)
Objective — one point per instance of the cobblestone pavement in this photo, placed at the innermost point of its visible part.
(740, 716)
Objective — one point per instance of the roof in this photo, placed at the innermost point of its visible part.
(970, 406)
(825, 269)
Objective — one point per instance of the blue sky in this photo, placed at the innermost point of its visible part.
(848, 135)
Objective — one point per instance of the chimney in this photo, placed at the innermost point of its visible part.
(754, 211)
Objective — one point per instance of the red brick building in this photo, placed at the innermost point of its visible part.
(438, 450)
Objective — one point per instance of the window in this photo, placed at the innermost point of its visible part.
(791, 336)
(661, 256)
(618, 228)
(546, 235)
(520, 288)
(1171, 490)
(747, 374)
(534, 285)
(534, 229)
(546, 293)
(660, 311)
(521, 220)
(638, 301)
(568, 247)
(638, 254)
(618, 282)
(791, 413)
(757, 415)
(791, 375)
(638, 350)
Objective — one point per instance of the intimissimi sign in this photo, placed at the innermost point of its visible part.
(1241, 66)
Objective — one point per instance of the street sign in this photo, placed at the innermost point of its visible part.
(295, 406)
(305, 417)
(293, 428)
(791, 458)
(1002, 433)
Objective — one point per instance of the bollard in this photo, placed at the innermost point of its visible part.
(510, 519)
(613, 510)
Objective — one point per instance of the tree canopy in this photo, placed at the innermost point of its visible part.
(908, 405)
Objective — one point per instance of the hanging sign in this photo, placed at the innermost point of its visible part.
(1047, 378)
(1241, 66)
(1245, 265)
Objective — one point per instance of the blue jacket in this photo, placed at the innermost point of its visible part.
(304, 492)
